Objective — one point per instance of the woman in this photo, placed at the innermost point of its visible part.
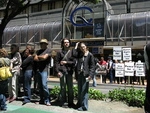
(27, 68)
(15, 59)
(85, 72)
(3, 83)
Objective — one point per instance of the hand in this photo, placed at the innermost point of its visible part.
(63, 62)
(76, 45)
(59, 75)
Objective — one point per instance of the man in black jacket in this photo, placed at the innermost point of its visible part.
(147, 62)
(64, 64)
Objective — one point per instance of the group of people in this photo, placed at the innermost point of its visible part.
(29, 64)
(35, 64)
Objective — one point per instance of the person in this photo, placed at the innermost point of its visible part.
(16, 61)
(147, 66)
(110, 69)
(42, 59)
(64, 64)
(85, 72)
(3, 83)
(27, 69)
(94, 78)
(103, 64)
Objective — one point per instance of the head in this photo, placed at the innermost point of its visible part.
(65, 43)
(29, 51)
(102, 58)
(14, 48)
(3, 53)
(82, 46)
(43, 43)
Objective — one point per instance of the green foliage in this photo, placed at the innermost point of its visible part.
(96, 94)
(131, 96)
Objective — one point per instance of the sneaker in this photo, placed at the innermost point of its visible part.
(82, 109)
(12, 99)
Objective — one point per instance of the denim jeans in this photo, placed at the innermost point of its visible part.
(83, 88)
(44, 91)
(27, 85)
(66, 81)
(94, 81)
(3, 91)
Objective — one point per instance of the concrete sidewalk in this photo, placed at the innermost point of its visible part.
(94, 106)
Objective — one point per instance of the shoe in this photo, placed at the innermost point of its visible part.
(72, 105)
(12, 99)
(82, 109)
(47, 104)
(25, 102)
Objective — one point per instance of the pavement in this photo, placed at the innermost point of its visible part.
(94, 106)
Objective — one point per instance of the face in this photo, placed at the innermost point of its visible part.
(26, 52)
(13, 49)
(83, 47)
(43, 45)
(66, 43)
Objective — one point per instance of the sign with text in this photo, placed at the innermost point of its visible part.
(129, 68)
(117, 53)
(127, 55)
(140, 69)
(119, 70)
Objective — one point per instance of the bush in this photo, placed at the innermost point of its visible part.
(131, 96)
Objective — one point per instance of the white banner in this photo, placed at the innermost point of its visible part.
(129, 68)
(140, 69)
(127, 55)
(117, 53)
(119, 70)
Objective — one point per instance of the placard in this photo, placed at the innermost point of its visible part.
(119, 70)
(140, 69)
(127, 55)
(117, 53)
(129, 69)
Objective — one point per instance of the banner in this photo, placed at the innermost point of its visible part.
(140, 69)
(127, 55)
(129, 68)
(119, 70)
(117, 53)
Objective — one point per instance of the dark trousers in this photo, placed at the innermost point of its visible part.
(147, 99)
(66, 88)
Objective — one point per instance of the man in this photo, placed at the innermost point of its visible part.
(110, 69)
(147, 63)
(64, 64)
(42, 58)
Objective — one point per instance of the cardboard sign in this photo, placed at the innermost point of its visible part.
(117, 53)
(127, 55)
(129, 68)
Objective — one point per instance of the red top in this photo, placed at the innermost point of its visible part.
(102, 62)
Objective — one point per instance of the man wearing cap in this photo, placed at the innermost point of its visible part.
(42, 59)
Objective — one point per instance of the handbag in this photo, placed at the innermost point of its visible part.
(5, 71)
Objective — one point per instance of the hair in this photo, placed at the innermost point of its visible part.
(16, 46)
(62, 42)
(3, 52)
(31, 50)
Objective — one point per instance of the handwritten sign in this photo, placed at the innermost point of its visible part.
(140, 69)
(117, 53)
(127, 55)
(119, 70)
(129, 68)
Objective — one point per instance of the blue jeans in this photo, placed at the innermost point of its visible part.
(111, 75)
(83, 88)
(3, 105)
(44, 91)
(94, 81)
(27, 85)
(66, 81)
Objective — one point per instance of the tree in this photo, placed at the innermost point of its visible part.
(12, 9)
